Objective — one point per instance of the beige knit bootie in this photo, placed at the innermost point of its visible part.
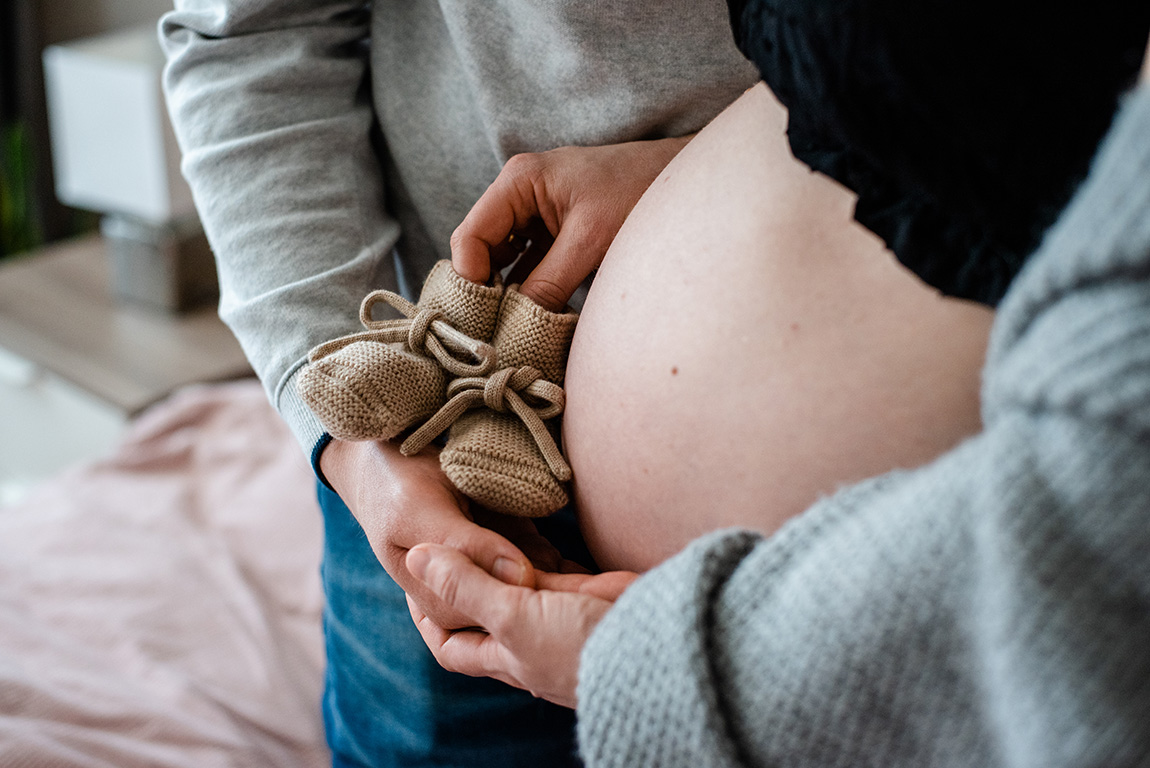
(375, 384)
(502, 449)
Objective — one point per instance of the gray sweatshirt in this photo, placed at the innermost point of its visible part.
(990, 609)
(276, 104)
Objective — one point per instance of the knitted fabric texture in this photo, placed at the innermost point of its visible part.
(363, 388)
(492, 455)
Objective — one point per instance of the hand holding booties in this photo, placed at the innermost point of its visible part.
(484, 362)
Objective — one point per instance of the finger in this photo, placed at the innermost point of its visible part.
(605, 586)
(477, 653)
(578, 250)
(521, 532)
(445, 524)
(465, 587)
(561, 582)
(494, 554)
(510, 203)
(433, 634)
(467, 651)
(442, 522)
(610, 585)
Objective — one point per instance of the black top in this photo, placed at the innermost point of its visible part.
(963, 127)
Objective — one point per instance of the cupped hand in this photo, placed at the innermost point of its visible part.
(401, 501)
(567, 204)
(528, 638)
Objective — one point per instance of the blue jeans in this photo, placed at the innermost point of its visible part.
(388, 703)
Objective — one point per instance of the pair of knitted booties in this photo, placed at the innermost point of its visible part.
(484, 361)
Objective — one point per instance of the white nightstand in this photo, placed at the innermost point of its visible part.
(76, 366)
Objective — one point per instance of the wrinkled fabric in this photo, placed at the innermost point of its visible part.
(160, 608)
(960, 162)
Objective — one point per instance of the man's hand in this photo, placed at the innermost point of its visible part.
(403, 501)
(529, 638)
(569, 203)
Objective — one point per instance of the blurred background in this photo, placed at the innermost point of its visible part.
(31, 214)
(107, 287)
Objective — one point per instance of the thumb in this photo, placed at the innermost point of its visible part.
(578, 249)
(457, 581)
(494, 554)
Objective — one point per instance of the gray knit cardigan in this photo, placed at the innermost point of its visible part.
(990, 609)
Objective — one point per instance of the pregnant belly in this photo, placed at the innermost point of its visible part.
(747, 347)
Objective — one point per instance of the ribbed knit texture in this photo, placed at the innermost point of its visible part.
(990, 609)
(371, 390)
(491, 456)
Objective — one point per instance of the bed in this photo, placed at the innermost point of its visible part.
(162, 606)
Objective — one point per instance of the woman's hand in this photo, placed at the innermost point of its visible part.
(529, 638)
(567, 203)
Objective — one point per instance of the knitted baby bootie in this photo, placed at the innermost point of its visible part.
(375, 384)
(502, 450)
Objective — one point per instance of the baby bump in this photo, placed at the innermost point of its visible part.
(747, 347)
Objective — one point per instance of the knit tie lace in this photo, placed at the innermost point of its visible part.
(523, 391)
(424, 330)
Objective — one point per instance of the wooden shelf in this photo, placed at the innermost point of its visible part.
(56, 311)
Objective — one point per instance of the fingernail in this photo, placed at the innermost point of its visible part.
(417, 560)
(509, 571)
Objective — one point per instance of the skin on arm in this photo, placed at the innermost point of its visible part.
(747, 346)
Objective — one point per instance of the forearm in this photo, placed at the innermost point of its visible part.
(271, 112)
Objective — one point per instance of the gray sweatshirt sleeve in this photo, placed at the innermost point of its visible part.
(990, 609)
(271, 107)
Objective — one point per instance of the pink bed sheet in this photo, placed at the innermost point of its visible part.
(162, 607)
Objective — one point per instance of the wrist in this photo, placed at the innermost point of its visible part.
(337, 461)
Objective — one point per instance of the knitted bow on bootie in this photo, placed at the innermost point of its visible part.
(375, 384)
(501, 400)
(503, 452)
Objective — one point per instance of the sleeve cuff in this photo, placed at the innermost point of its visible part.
(304, 425)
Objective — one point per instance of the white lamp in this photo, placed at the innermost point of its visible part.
(114, 152)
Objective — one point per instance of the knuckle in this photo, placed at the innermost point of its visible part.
(523, 164)
(458, 236)
(471, 540)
